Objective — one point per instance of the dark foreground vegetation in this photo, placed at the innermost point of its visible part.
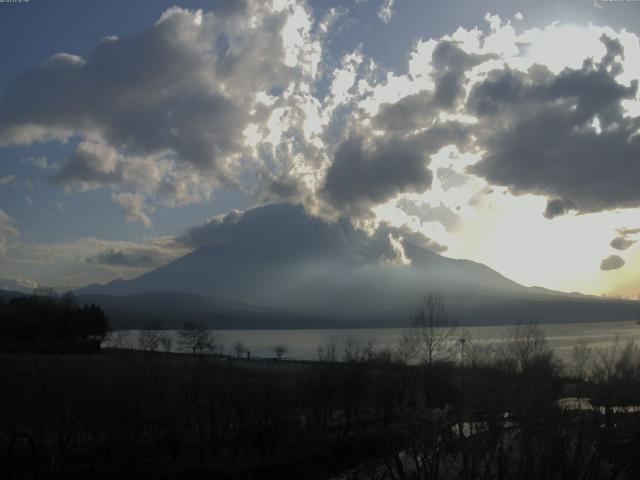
(439, 407)
(47, 322)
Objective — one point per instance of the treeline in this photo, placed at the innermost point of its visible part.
(50, 323)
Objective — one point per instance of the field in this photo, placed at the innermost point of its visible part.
(128, 414)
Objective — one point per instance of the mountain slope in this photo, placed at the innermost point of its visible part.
(280, 256)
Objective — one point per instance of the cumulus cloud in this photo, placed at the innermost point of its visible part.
(449, 64)
(176, 98)
(239, 97)
(368, 171)
(133, 206)
(538, 134)
(7, 231)
(612, 262)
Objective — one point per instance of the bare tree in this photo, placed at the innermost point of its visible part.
(581, 356)
(432, 335)
(216, 344)
(149, 339)
(358, 349)
(280, 350)
(526, 346)
(193, 338)
(166, 342)
(239, 348)
(120, 339)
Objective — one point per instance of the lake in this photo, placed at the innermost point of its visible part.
(303, 344)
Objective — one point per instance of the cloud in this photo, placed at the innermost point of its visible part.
(449, 65)
(386, 12)
(612, 262)
(136, 257)
(82, 261)
(286, 221)
(405, 235)
(368, 171)
(449, 178)
(538, 135)
(7, 180)
(557, 207)
(628, 231)
(18, 285)
(41, 163)
(622, 242)
(176, 97)
(247, 97)
(7, 231)
(133, 206)
(426, 213)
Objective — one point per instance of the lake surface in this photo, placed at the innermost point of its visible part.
(303, 344)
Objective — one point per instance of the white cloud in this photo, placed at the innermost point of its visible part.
(133, 206)
(386, 12)
(7, 231)
(7, 180)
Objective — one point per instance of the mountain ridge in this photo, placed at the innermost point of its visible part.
(281, 257)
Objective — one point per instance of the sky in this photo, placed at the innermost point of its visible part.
(505, 132)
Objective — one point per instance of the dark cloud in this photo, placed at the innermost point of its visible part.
(367, 172)
(132, 258)
(163, 92)
(283, 188)
(450, 64)
(91, 164)
(612, 262)
(622, 243)
(293, 226)
(557, 207)
(538, 135)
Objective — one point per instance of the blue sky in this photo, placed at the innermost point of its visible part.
(56, 215)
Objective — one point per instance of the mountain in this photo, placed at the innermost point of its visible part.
(171, 310)
(283, 258)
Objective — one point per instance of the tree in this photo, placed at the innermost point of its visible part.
(149, 340)
(431, 337)
(527, 348)
(280, 350)
(166, 341)
(216, 344)
(193, 338)
(239, 348)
